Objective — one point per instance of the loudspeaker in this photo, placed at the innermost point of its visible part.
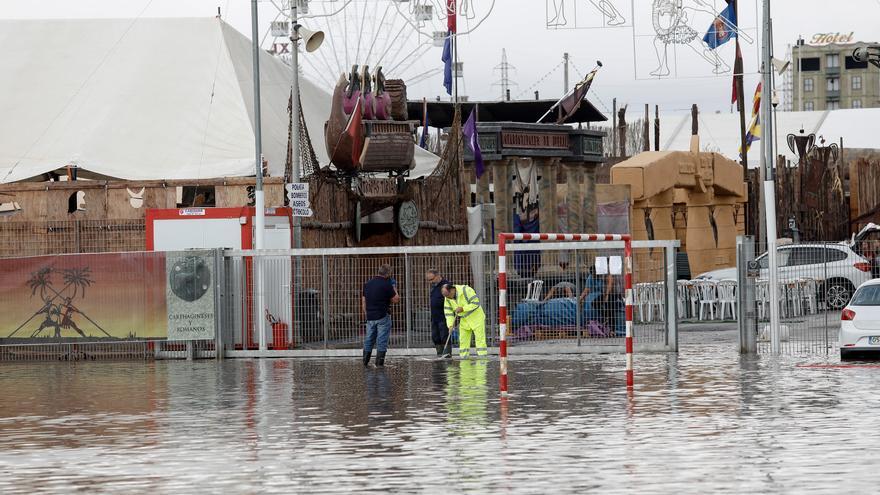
(311, 39)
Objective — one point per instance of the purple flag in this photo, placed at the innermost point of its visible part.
(473, 140)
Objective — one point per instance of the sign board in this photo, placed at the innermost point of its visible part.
(192, 212)
(189, 295)
(297, 186)
(300, 203)
(833, 38)
(280, 29)
(536, 140)
(298, 195)
(302, 212)
(753, 269)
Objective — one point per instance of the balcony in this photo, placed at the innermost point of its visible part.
(832, 94)
(832, 71)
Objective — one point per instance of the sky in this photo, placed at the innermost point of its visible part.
(520, 27)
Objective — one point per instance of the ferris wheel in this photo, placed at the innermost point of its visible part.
(405, 37)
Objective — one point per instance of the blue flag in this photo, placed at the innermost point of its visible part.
(473, 141)
(447, 60)
(723, 28)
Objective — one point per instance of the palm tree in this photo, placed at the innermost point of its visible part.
(79, 279)
(40, 280)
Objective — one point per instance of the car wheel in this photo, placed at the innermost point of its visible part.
(838, 293)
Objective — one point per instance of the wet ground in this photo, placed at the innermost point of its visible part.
(706, 420)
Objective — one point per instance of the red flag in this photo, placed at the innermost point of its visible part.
(451, 16)
(354, 129)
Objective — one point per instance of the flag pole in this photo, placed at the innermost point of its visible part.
(569, 93)
(738, 69)
(455, 53)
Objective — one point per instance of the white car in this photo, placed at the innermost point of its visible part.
(860, 322)
(837, 269)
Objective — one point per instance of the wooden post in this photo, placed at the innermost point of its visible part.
(695, 122)
(614, 127)
(621, 131)
(646, 127)
(656, 127)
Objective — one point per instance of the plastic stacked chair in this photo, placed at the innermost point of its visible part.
(809, 292)
(726, 290)
(694, 297)
(762, 297)
(656, 301)
(681, 297)
(708, 297)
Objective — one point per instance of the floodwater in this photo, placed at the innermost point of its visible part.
(706, 420)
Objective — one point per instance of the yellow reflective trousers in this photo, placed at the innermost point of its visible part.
(472, 320)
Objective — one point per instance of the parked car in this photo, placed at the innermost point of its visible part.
(860, 322)
(837, 269)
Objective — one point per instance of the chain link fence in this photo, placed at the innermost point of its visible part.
(815, 282)
(568, 294)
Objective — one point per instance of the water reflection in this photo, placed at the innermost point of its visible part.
(703, 421)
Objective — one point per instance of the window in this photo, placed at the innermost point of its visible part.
(856, 82)
(833, 105)
(833, 84)
(832, 60)
(857, 103)
(808, 85)
(868, 295)
(852, 64)
(834, 255)
(782, 257)
(808, 106)
(810, 64)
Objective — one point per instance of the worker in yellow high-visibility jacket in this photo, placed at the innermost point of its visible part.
(463, 304)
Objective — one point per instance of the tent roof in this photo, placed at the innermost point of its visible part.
(720, 132)
(144, 99)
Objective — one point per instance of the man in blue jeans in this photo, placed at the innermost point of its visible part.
(379, 294)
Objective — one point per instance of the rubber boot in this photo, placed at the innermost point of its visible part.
(380, 359)
(367, 358)
(439, 349)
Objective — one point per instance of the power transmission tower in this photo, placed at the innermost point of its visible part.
(505, 83)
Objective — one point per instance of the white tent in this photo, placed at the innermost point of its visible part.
(721, 132)
(144, 99)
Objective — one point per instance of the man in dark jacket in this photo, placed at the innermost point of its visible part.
(439, 330)
(378, 296)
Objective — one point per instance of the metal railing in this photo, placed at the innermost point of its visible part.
(816, 280)
(311, 297)
(308, 301)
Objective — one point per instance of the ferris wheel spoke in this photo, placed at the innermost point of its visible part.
(390, 45)
(398, 62)
(376, 35)
(361, 34)
(414, 60)
(320, 73)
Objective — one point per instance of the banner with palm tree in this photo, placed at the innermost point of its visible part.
(92, 296)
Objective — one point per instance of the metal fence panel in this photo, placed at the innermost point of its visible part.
(554, 294)
(816, 280)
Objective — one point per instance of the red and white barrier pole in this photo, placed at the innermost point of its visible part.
(502, 311)
(627, 285)
(502, 291)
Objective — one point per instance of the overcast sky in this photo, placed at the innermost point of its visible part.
(520, 27)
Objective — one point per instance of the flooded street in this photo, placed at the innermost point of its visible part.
(705, 420)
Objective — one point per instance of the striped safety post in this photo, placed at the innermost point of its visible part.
(502, 291)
